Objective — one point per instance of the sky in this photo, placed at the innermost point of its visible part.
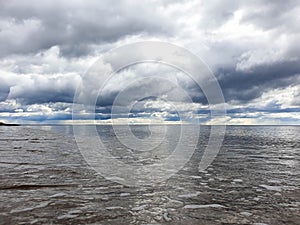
(251, 47)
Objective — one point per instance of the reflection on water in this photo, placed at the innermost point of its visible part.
(254, 179)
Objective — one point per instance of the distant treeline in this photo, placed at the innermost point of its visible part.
(8, 124)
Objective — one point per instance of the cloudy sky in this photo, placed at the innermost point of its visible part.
(252, 48)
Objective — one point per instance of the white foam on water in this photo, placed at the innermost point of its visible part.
(124, 194)
(203, 206)
(272, 188)
(42, 205)
(139, 208)
(114, 207)
(238, 180)
(189, 195)
(66, 216)
(58, 195)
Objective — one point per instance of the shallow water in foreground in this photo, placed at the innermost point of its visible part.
(255, 179)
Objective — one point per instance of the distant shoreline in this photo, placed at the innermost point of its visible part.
(9, 124)
(206, 125)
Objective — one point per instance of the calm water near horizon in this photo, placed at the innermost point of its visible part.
(255, 179)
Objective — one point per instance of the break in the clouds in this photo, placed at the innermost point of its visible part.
(251, 47)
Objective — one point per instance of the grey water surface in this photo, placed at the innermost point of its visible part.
(255, 179)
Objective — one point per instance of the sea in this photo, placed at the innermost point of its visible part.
(48, 175)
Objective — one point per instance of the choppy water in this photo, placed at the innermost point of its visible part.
(254, 179)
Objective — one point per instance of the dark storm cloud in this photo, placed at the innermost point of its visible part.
(36, 89)
(31, 26)
(136, 92)
(4, 89)
(47, 95)
(268, 15)
(245, 86)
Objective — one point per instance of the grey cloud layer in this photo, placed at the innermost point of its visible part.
(251, 46)
(31, 26)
